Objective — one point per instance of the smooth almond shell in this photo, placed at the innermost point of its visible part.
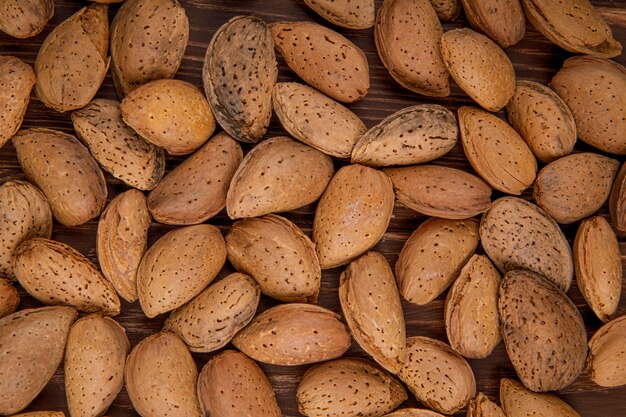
(447, 10)
(517, 401)
(16, 82)
(607, 358)
(294, 334)
(502, 21)
(617, 201)
(433, 256)
(351, 14)
(25, 18)
(9, 298)
(413, 412)
(481, 406)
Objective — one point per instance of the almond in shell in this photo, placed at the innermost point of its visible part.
(25, 18)
(414, 412)
(607, 358)
(502, 21)
(481, 406)
(349, 14)
(517, 401)
(9, 298)
(447, 10)
(17, 79)
(617, 201)
(41, 414)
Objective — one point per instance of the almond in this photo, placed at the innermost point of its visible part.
(350, 14)
(481, 406)
(502, 21)
(9, 298)
(433, 256)
(607, 359)
(324, 59)
(447, 10)
(294, 334)
(41, 414)
(16, 82)
(25, 18)
(517, 401)
(617, 200)
(413, 412)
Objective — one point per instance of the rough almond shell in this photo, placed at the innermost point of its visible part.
(413, 412)
(9, 298)
(502, 21)
(617, 201)
(447, 10)
(481, 406)
(607, 358)
(352, 14)
(16, 82)
(25, 18)
(41, 414)
(517, 401)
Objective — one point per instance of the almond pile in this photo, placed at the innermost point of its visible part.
(492, 245)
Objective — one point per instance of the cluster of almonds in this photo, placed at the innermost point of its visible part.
(528, 308)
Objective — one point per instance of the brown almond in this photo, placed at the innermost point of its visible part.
(323, 58)
(447, 10)
(607, 359)
(122, 241)
(25, 18)
(617, 201)
(496, 152)
(481, 406)
(479, 67)
(294, 334)
(63, 169)
(575, 186)
(371, 304)
(349, 14)
(348, 387)
(543, 120)
(440, 191)
(195, 190)
(31, 346)
(413, 412)
(231, 384)
(433, 256)
(118, 149)
(278, 255)
(9, 298)
(502, 21)
(316, 119)
(413, 135)
(210, 320)
(517, 401)
(192, 254)
(352, 215)
(41, 414)
(438, 377)
(407, 38)
(17, 79)
(239, 73)
(277, 175)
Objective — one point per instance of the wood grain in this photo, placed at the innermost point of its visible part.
(534, 58)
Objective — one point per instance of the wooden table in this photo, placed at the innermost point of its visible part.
(534, 58)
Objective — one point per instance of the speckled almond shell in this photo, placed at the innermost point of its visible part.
(231, 384)
(481, 406)
(9, 298)
(502, 21)
(407, 38)
(617, 201)
(517, 401)
(193, 254)
(348, 387)
(447, 10)
(72, 62)
(209, 321)
(95, 356)
(351, 14)
(294, 334)
(41, 414)
(48, 158)
(35, 336)
(25, 18)
(324, 59)
(16, 82)
(414, 412)
(607, 358)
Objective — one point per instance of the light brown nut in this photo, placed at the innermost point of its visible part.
(496, 152)
(502, 21)
(57, 274)
(66, 173)
(479, 67)
(607, 358)
(348, 387)
(433, 256)
(323, 58)
(16, 82)
(294, 334)
(239, 73)
(481, 406)
(447, 10)
(516, 234)
(195, 190)
(617, 201)
(31, 346)
(574, 25)
(24, 213)
(25, 18)
(371, 304)
(471, 309)
(118, 149)
(161, 377)
(192, 254)
(543, 120)
(595, 91)
(438, 377)
(277, 175)
(413, 412)
(517, 401)
(122, 241)
(148, 41)
(94, 365)
(352, 215)
(9, 298)
(575, 186)
(72, 62)
(41, 414)
(413, 135)
(407, 38)
(440, 191)
(210, 320)
(351, 14)
(278, 255)
(317, 120)
(232, 385)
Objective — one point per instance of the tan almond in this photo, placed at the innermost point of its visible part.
(413, 135)
(496, 151)
(195, 190)
(433, 256)
(294, 334)
(324, 59)
(192, 254)
(351, 14)
(371, 304)
(517, 401)
(9, 298)
(575, 186)
(607, 358)
(41, 414)
(440, 191)
(481, 406)
(413, 412)
(279, 174)
(617, 201)
(447, 10)
(348, 387)
(278, 255)
(17, 79)
(407, 38)
(502, 21)
(25, 18)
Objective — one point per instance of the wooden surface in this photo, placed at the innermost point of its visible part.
(534, 58)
